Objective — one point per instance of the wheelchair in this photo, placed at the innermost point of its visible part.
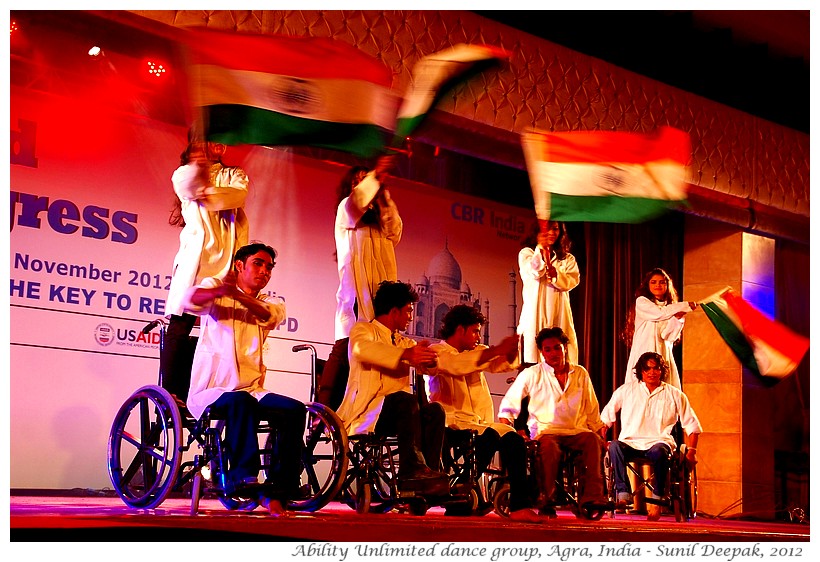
(570, 485)
(371, 483)
(680, 499)
(155, 448)
(498, 488)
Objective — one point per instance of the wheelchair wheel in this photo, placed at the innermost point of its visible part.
(473, 500)
(144, 447)
(417, 506)
(238, 503)
(324, 459)
(684, 493)
(501, 501)
(364, 495)
(590, 514)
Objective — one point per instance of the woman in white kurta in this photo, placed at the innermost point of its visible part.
(656, 323)
(209, 207)
(548, 273)
(368, 228)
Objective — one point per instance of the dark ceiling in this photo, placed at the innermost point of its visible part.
(753, 60)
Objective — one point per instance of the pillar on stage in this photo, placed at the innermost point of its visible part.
(736, 450)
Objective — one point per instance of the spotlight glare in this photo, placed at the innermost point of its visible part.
(94, 51)
(155, 69)
(13, 27)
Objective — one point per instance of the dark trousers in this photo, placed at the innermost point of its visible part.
(659, 455)
(513, 452)
(590, 447)
(334, 377)
(242, 414)
(417, 430)
(177, 355)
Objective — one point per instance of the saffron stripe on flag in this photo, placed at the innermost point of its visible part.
(667, 143)
(306, 57)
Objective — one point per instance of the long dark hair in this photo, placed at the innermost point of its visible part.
(561, 246)
(670, 297)
(175, 216)
(346, 185)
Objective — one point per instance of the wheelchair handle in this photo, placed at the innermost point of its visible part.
(153, 324)
(308, 347)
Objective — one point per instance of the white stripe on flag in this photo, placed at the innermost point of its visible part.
(654, 180)
(334, 100)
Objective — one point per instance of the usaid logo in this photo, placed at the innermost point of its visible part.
(104, 334)
(295, 96)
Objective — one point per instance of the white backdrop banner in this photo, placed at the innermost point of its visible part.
(91, 252)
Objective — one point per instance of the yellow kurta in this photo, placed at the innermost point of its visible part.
(228, 356)
(459, 385)
(376, 370)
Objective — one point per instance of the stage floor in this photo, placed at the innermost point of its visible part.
(91, 519)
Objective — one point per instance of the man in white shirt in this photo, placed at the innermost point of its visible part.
(650, 409)
(563, 416)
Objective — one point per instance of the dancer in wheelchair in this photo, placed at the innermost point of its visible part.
(461, 388)
(378, 397)
(563, 416)
(228, 374)
(650, 408)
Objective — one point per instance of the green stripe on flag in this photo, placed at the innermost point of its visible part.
(406, 125)
(241, 124)
(607, 209)
(734, 338)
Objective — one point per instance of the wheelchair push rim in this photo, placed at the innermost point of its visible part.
(324, 459)
(144, 447)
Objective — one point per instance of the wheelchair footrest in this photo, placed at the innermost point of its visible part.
(260, 490)
(663, 502)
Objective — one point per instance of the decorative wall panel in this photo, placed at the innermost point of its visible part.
(548, 87)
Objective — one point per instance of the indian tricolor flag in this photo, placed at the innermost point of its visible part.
(764, 346)
(279, 90)
(603, 176)
(434, 74)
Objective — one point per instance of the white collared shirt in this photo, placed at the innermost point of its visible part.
(649, 417)
(553, 409)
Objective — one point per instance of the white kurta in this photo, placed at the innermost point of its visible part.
(376, 370)
(545, 301)
(553, 410)
(461, 388)
(656, 329)
(648, 418)
(365, 254)
(228, 356)
(215, 227)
